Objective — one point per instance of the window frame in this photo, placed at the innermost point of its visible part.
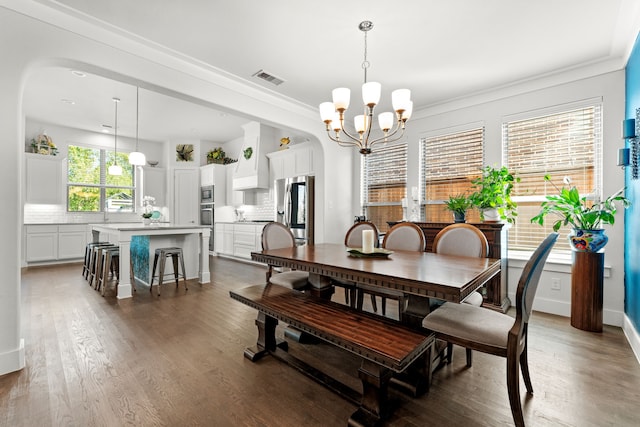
(104, 163)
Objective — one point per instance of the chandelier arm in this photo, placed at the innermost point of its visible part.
(341, 142)
(398, 126)
(354, 138)
(389, 137)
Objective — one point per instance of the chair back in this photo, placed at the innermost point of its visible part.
(530, 277)
(461, 239)
(353, 238)
(276, 235)
(405, 236)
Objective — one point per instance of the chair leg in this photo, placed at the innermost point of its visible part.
(176, 274)
(373, 303)
(513, 387)
(449, 353)
(161, 274)
(469, 357)
(346, 296)
(184, 273)
(384, 305)
(524, 367)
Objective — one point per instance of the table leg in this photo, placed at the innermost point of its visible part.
(124, 285)
(320, 286)
(266, 338)
(416, 310)
(204, 275)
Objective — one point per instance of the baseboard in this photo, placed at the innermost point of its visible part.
(12, 360)
(563, 308)
(632, 336)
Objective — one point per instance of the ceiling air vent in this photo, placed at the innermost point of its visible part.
(268, 77)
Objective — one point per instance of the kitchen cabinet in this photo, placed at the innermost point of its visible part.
(44, 182)
(228, 239)
(219, 238)
(155, 184)
(186, 196)
(236, 197)
(72, 240)
(294, 161)
(50, 242)
(238, 239)
(215, 175)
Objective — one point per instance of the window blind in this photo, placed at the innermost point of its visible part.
(384, 183)
(448, 164)
(566, 144)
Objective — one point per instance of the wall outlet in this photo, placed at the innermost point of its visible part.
(555, 284)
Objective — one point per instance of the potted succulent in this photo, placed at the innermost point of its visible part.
(492, 194)
(584, 217)
(458, 204)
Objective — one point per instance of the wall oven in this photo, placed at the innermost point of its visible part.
(206, 194)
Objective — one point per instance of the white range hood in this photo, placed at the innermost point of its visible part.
(252, 169)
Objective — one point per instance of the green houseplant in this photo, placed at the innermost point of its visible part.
(458, 204)
(492, 192)
(584, 217)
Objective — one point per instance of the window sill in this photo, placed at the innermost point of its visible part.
(557, 262)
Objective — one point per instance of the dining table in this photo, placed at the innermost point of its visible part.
(420, 276)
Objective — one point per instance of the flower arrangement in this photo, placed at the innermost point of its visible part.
(147, 206)
(43, 144)
(576, 211)
(218, 155)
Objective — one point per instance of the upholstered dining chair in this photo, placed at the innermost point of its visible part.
(353, 239)
(464, 240)
(404, 236)
(276, 236)
(495, 333)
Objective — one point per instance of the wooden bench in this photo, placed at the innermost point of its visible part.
(389, 351)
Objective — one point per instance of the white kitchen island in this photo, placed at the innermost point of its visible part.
(194, 240)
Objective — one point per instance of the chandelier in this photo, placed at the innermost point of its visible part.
(137, 158)
(332, 113)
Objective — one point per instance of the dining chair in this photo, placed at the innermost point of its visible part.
(276, 236)
(404, 236)
(463, 240)
(353, 239)
(496, 333)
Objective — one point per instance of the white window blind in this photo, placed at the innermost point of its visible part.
(448, 164)
(565, 144)
(384, 183)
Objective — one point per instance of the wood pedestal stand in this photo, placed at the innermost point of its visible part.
(587, 276)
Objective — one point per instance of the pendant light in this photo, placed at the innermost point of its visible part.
(137, 158)
(114, 169)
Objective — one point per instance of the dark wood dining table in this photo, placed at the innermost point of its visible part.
(420, 276)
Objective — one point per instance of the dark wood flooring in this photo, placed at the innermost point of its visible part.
(177, 360)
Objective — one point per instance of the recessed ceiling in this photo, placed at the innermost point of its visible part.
(440, 50)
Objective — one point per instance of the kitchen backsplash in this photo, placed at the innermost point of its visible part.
(264, 210)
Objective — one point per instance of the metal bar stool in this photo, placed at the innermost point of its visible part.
(94, 261)
(175, 254)
(87, 257)
(108, 262)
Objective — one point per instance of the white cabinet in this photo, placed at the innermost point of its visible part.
(44, 179)
(72, 239)
(237, 198)
(295, 161)
(155, 184)
(41, 243)
(238, 239)
(219, 238)
(216, 175)
(228, 239)
(186, 198)
(244, 240)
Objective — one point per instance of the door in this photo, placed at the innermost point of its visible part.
(186, 197)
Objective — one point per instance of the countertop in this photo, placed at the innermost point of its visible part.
(133, 226)
(259, 222)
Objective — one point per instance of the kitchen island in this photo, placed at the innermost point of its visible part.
(194, 240)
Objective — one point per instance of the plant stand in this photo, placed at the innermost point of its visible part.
(587, 277)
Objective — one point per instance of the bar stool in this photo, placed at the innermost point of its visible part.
(175, 254)
(108, 262)
(87, 257)
(94, 261)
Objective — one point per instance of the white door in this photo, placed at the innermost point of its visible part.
(186, 196)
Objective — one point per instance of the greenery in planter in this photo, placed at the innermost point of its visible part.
(577, 211)
(492, 190)
(459, 204)
(218, 155)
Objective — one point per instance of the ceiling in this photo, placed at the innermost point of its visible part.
(440, 50)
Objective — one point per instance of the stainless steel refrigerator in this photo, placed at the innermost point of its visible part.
(294, 206)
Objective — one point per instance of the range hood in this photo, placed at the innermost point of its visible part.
(252, 169)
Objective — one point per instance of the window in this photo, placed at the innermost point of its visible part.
(91, 189)
(448, 164)
(384, 183)
(563, 144)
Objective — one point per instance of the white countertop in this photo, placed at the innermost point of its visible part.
(134, 226)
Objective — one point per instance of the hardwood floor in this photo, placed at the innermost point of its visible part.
(177, 360)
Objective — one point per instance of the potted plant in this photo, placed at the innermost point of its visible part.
(216, 155)
(586, 218)
(458, 204)
(492, 194)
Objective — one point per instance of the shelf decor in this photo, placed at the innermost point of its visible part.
(43, 144)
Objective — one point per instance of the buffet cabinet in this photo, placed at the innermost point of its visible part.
(495, 291)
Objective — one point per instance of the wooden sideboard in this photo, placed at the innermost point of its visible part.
(494, 292)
